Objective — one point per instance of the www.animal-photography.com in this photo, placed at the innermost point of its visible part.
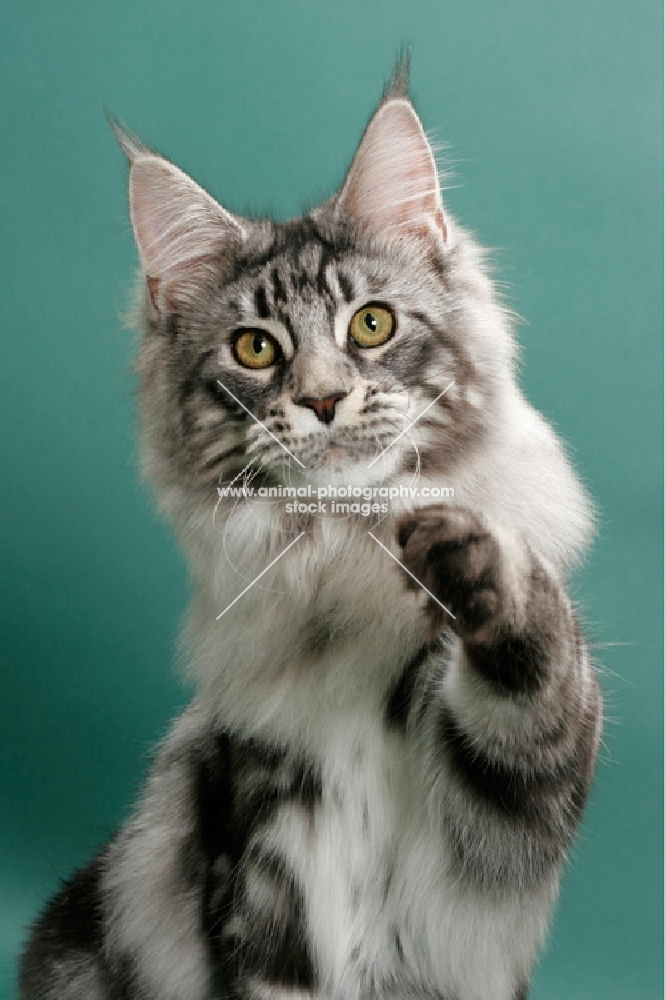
(332, 508)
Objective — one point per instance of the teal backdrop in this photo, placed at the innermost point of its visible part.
(552, 112)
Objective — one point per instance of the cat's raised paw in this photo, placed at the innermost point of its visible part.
(458, 559)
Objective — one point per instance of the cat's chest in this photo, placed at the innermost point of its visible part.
(387, 910)
(372, 866)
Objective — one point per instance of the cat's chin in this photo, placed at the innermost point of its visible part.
(338, 458)
(340, 464)
(336, 461)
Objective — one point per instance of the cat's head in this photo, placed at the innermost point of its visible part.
(307, 348)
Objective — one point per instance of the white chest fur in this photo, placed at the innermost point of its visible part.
(388, 913)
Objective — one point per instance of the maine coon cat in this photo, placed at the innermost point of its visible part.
(375, 789)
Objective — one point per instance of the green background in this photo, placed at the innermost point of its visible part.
(552, 113)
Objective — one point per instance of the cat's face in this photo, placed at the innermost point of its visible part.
(334, 346)
(311, 348)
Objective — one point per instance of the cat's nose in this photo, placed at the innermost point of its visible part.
(324, 408)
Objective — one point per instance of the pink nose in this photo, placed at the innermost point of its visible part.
(324, 408)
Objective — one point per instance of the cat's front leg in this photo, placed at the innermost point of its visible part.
(516, 716)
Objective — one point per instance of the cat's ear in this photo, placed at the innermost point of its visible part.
(182, 233)
(393, 181)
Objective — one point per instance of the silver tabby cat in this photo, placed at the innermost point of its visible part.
(373, 794)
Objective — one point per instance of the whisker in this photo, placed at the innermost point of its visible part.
(417, 470)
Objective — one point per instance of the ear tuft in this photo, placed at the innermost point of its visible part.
(398, 84)
(393, 181)
(131, 146)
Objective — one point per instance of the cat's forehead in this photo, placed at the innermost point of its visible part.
(299, 249)
(294, 282)
(303, 261)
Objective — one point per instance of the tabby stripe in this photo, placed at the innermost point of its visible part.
(400, 698)
(279, 291)
(276, 950)
(73, 924)
(328, 255)
(238, 449)
(192, 380)
(512, 665)
(346, 286)
(261, 303)
(510, 790)
(226, 820)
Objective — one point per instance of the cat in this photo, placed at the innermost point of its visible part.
(373, 794)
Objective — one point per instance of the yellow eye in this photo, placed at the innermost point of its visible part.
(255, 349)
(371, 326)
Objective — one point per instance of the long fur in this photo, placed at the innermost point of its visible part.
(367, 799)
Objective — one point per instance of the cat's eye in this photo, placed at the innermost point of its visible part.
(255, 349)
(371, 326)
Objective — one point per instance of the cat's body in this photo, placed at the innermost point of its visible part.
(368, 799)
